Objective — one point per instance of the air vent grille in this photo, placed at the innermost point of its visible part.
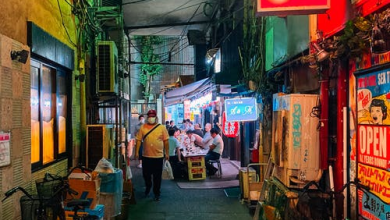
(111, 2)
(104, 60)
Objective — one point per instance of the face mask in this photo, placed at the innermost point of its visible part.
(152, 120)
(142, 121)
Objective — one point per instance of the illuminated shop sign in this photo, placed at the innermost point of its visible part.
(373, 131)
(291, 7)
(241, 109)
(229, 128)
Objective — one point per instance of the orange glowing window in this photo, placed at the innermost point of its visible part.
(49, 94)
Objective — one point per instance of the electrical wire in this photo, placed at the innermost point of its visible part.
(160, 17)
(63, 24)
(134, 2)
(185, 28)
(183, 47)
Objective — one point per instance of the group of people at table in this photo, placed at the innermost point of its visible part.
(156, 143)
(184, 143)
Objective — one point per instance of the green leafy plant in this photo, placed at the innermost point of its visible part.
(252, 51)
(150, 66)
(355, 39)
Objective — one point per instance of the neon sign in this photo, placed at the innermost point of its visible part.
(292, 7)
(241, 109)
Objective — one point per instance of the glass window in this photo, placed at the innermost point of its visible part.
(49, 92)
(34, 103)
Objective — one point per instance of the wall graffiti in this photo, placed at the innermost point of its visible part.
(297, 125)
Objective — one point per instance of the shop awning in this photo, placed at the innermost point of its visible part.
(185, 92)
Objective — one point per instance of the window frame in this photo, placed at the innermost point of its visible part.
(58, 72)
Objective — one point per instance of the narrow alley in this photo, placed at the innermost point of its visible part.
(178, 204)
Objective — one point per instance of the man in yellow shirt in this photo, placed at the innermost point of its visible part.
(155, 147)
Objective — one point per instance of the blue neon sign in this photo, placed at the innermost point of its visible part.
(241, 109)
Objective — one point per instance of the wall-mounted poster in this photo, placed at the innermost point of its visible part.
(4, 149)
(373, 151)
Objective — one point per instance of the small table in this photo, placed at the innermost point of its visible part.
(196, 164)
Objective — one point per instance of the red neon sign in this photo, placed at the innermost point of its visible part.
(229, 129)
(291, 7)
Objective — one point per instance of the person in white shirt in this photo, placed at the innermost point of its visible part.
(215, 151)
(207, 139)
(196, 140)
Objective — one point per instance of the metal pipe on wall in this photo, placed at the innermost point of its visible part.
(345, 158)
(339, 156)
(324, 128)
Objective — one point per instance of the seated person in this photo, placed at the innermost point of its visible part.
(195, 139)
(207, 138)
(198, 130)
(176, 159)
(215, 151)
(174, 145)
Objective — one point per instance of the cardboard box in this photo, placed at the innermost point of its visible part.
(87, 189)
(79, 176)
(97, 211)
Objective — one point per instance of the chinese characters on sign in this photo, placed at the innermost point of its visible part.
(4, 149)
(229, 129)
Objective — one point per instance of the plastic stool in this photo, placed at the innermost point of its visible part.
(218, 162)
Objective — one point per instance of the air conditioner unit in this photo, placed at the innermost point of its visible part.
(295, 139)
(97, 144)
(107, 67)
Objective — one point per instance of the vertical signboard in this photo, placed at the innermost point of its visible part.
(373, 133)
(229, 128)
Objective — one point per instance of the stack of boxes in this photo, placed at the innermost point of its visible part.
(88, 188)
(196, 168)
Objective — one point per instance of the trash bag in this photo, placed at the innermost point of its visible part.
(104, 166)
(167, 173)
(129, 174)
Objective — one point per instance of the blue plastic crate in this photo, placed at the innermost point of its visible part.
(97, 211)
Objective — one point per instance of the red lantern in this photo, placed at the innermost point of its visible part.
(229, 129)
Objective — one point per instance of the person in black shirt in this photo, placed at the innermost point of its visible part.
(216, 123)
(198, 130)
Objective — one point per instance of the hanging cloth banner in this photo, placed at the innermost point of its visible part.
(229, 128)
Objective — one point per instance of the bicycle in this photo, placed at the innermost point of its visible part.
(326, 199)
(49, 203)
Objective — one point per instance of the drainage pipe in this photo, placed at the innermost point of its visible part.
(324, 130)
